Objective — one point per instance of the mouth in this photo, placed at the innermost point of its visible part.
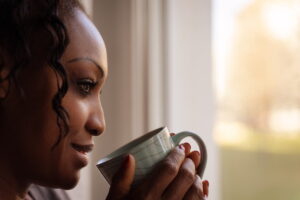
(84, 149)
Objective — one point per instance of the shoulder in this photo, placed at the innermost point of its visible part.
(43, 193)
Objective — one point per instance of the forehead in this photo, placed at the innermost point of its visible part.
(85, 40)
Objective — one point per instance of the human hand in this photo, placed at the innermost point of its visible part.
(174, 178)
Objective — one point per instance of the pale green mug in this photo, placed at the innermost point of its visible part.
(148, 150)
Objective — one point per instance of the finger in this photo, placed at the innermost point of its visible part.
(196, 157)
(122, 181)
(163, 174)
(182, 182)
(187, 148)
(195, 191)
(205, 187)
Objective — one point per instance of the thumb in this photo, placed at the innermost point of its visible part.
(122, 180)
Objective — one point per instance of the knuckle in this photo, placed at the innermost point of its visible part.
(197, 188)
(170, 167)
(187, 174)
(177, 154)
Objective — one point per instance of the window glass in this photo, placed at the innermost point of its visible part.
(257, 77)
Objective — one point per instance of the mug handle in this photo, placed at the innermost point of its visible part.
(177, 138)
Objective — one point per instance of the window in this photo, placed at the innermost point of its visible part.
(257, 76)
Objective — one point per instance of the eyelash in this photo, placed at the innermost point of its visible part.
(86, 86)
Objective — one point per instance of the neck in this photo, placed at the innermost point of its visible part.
(11, 188)
(13, 183)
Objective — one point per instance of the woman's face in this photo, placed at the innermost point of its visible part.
(29, 124)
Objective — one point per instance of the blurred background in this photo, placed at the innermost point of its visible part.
(227, 70)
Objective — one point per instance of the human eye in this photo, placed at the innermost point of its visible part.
(86, 85)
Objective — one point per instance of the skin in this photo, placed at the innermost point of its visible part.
(29, 130)
(174, 178)
(29, 144)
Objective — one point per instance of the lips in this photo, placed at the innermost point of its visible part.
(84, 149)
(80, 154)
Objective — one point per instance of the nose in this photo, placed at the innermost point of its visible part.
(96, 122)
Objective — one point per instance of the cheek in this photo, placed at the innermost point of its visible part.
(36, 123)
(77, 110)
(41, 132)
(42, 122)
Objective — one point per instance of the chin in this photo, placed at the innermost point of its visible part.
(68, 182)
(69, 185)
(62, 182)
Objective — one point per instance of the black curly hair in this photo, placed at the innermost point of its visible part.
(20, 20)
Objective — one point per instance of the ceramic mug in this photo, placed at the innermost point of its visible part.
(148, 150)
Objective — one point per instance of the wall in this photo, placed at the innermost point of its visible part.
(191, 103)
(159, 74)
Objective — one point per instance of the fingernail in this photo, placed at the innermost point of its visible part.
(205, 197)
(207, 183)
(181, 147)
(188, 145)
(125, 163)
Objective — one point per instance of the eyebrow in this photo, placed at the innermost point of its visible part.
(90, 60)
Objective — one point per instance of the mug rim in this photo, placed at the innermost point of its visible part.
(121, 151)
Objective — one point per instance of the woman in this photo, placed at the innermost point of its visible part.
(53, 67)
